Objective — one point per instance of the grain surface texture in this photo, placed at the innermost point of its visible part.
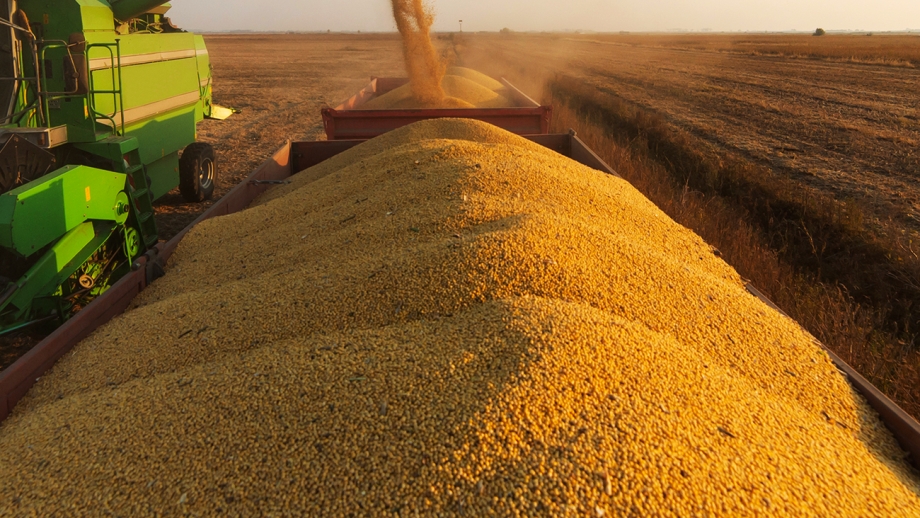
(450, 320)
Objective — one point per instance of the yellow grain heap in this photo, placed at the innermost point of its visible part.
(476, 76)
(450, 320)
(460, 93)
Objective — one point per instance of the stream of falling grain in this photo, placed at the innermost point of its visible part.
(414, 19)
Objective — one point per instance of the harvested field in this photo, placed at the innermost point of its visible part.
(848, 129)
(484, 327)
(900, 50)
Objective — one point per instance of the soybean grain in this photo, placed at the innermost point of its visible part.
(466, 324)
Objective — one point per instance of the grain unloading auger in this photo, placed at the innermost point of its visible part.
(97, 101)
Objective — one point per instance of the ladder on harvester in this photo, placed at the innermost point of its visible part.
(143, 206)
(137, 174)
(118, 99)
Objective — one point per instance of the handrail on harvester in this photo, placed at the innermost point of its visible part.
(43, 92)
(45, 96)
(116, 91)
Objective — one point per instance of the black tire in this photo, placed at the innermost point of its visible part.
(197, 172)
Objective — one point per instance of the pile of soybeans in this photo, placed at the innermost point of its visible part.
(463, 88)
(449, 320)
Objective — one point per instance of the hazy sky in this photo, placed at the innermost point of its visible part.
(596, 15)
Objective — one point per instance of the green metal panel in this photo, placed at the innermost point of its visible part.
(165, 135)
(72, 113)
(75, 217)
(113, 148)
(204, 75)
(164, 79)
(38, 213)
(66, 17)
(164, 175)
(46, 269)
(141, 43)
(127, 9)
(96, 14)
(144, 96)
(146, 60)
(55, 17)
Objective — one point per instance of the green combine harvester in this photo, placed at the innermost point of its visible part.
(100, 102)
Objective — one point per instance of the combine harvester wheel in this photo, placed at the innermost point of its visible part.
(197, 172)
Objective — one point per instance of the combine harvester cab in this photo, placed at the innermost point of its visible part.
(99, 101)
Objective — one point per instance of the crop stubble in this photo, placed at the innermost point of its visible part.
(848, 129)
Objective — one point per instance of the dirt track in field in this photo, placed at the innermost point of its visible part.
(280, 83)
(849, 129)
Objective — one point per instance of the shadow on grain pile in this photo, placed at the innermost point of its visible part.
(450, 319)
